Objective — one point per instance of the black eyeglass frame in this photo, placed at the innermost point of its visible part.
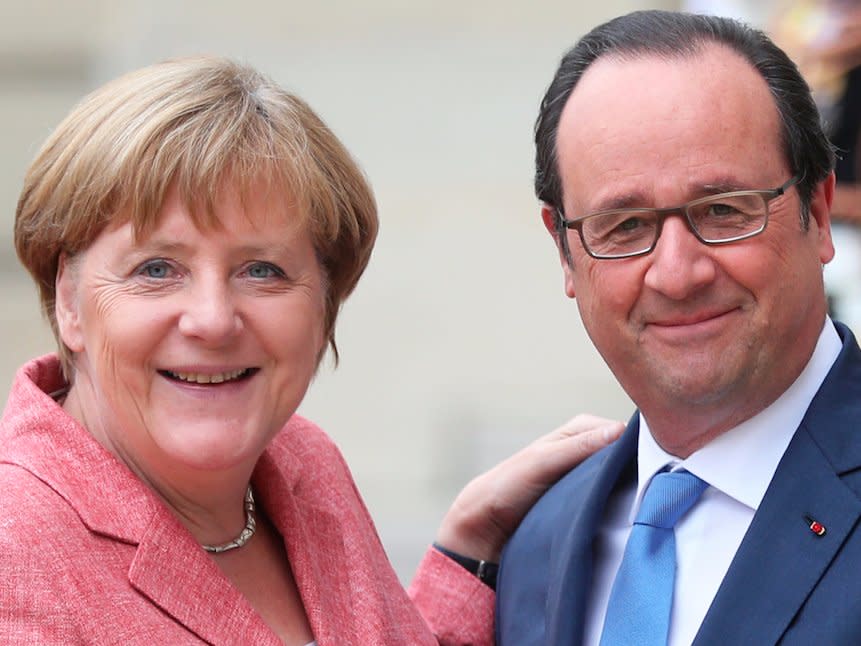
(562, 223)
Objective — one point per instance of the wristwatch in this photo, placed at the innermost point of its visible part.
(484, 570)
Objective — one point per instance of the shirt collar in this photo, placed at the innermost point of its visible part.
(742, 461)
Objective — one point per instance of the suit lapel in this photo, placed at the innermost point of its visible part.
(781, 559)
(572, 549)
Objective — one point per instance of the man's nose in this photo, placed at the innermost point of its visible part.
(679, 264)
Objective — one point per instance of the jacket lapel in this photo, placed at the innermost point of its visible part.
(180, 578)
(350, 593)
(569, 590)
(781, 559)
(310, 530)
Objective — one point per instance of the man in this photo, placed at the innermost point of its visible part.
(687, 183)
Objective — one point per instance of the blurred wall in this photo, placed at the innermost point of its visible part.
(459, 345)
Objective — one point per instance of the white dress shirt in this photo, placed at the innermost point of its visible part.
(738, 466)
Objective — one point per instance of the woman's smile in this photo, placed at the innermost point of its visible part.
(209, 378)
(202, 341)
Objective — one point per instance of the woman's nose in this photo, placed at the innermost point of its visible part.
(210, 313)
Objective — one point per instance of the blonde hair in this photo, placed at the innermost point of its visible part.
(196, 122)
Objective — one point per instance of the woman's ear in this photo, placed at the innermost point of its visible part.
(66, 308)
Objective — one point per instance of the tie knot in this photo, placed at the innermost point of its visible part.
(668, 497)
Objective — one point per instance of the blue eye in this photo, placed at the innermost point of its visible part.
(261, 270)
(155, 269)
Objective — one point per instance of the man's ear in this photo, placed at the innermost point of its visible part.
(820, 216)
(552, 224)
(66, 308)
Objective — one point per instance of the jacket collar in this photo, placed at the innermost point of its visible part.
(38, 435)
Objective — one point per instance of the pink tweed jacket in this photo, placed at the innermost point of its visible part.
(90, 555)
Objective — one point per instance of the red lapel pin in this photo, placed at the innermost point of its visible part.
(815, 526)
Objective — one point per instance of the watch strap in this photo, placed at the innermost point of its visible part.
(484, 570)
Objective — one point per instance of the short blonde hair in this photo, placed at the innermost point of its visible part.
(196, 122)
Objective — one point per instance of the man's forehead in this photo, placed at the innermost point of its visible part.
(640, 70)
(699, 119)
(717, 83)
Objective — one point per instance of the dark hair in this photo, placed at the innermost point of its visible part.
(679, 35)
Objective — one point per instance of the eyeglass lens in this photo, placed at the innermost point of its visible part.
(715, 219)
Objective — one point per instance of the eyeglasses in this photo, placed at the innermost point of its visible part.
(714, 220)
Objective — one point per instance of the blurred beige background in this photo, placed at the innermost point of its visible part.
(459, 345)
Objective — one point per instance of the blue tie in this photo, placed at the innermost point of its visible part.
(638, 613)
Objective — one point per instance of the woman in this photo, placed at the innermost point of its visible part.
(193, 230)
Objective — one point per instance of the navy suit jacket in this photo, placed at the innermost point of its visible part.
(786, 585)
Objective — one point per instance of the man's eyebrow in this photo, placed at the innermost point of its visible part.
(627, 201)
(722, 183)
(722, 187)
(695, 191)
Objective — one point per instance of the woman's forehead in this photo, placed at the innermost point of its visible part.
(260, 201)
